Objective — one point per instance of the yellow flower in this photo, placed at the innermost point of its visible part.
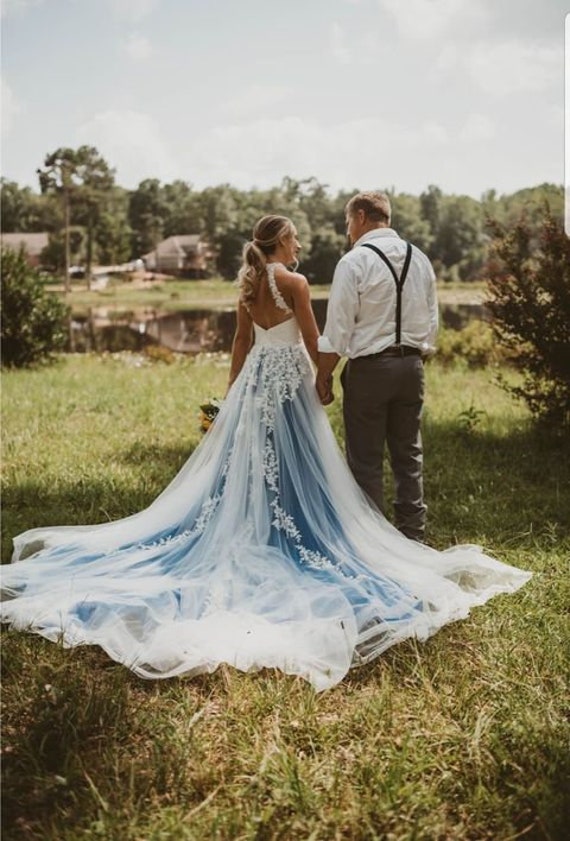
(208, 412)
(205, 422)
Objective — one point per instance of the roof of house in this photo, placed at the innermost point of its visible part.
(32, 243)
(178, 244)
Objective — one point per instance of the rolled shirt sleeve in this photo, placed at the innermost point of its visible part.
(342, 311)
(433, 313)
(324, 346)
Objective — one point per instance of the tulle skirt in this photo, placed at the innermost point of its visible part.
(262, 552)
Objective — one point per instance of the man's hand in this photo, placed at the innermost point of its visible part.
(327, 364)
(325, 389)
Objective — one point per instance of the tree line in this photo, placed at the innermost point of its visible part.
(92, 219)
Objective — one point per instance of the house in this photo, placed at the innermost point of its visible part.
(33, 245)
(183, 255)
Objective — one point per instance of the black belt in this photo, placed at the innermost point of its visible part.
(395, 350)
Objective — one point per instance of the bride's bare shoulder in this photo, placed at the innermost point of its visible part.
(289, 279)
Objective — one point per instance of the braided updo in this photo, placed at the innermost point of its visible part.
(267, 234)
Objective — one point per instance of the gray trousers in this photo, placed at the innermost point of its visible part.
(383, 399)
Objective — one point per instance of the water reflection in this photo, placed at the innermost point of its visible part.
(193, 331)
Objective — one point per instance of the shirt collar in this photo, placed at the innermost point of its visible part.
(376, 233)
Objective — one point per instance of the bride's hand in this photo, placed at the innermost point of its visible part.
(325, 390)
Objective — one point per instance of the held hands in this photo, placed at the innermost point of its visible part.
(326, 364)
(325, 389)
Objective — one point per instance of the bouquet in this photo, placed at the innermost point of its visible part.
(208, 412)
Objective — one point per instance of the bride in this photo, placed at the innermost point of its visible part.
(263, 551)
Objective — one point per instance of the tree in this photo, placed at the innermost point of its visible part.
(52, 257)
(460, 239)
(113, 234)
(529, 289)
(408, 221)
(327, 247)
(24, 211)
(430, 206)
(226, 214)
(147, 214)
(311, 197)
(58, 177)
(96, 180)
(183, 213)
(33, 321)
(67, 171)
(17, 202)
(530, 202)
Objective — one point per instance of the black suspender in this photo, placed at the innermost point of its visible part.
(399, 281)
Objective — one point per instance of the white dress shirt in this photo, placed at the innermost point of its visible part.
(361, 312)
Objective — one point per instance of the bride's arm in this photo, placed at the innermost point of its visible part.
(304, 314)
(243, 339)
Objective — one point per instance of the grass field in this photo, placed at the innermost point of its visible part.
(215, 293)
(463, 737)
(166, 294)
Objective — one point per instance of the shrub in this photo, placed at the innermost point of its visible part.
(475, 344)
(33, 321)
(529, 298)
(159, 353)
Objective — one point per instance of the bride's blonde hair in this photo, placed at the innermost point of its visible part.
(267, 234)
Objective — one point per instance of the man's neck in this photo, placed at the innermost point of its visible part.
(374, 226)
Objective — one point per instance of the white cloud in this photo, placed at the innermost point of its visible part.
(338, 45)
(263, 151)
(133, 10)
(432, 133)
(138, 47)
(476, 128)
(8, 7)
(554, 116)
(10, 106)
(447, 58)
(514, 67)
(254, 98)
(132, 143)
(362, 48)
(425, 19)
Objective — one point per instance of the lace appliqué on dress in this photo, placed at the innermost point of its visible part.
(283, 521)
(277, 296)
(275, 372)
(206, 513)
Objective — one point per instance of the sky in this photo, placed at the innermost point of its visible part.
(360, 94)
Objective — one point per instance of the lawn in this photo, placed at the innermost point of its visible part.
(462, 737)
(166, 294)
(214, 293)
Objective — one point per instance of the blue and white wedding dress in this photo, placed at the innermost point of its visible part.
(262, 552)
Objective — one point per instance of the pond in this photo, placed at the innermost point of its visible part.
(196, 330)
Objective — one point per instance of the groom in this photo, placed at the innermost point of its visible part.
(382, 314)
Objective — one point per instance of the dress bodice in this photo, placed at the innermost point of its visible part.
(285, 333)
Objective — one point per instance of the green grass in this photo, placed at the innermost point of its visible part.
(170, 295)
(214, 293)
(463, 737)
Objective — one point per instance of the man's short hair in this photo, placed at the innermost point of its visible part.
(376, 206)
